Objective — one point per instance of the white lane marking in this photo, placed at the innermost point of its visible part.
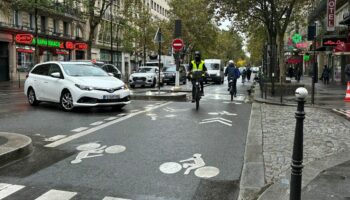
(114, 198)
(79, 129)
(57, 195)
(54, 138)
(96, 123)
(8, 189)
(152, 115)
(96, 128)
(216, 119)
(170, 116)
(222, 113)
(212, 121)
(111, 118)
(121, 114)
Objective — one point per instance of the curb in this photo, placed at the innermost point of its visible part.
(17, 146)
(253, 172)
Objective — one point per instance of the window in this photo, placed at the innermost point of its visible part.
(41, 70)
(43, 24)
(65, 28)
(31, 21)
(55, 26)
(16, 18)
(54, 68)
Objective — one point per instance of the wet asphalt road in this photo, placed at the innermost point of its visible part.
(141, 138)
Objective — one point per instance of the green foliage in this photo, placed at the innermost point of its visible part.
(256, 40)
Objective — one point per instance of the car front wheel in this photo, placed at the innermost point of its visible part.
(32, 98)
(67, 101)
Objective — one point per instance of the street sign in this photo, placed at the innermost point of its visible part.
(178, 44)
(158, 37)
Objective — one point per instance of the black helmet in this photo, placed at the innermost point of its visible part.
(197, 55)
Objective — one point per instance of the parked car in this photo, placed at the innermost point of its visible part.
(145, 76)
(169, 72)
(109, 68)
(255, 69)
(74, 84)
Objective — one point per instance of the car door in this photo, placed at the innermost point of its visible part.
(39, 75)
(53, 86)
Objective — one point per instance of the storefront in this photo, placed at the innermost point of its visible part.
(5, 54)
(49, 50)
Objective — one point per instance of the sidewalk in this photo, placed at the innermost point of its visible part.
(266, 169)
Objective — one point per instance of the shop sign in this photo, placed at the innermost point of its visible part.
(24, 50)
(24, 38)
(302, 45)
(331, 8)
(333, 41)
(62, 52)
(46, 42)
(296, 38)
(69, 45)
(80, 46)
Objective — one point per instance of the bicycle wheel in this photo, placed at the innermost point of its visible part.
(231, 92)
(206, 172)
(197, 97)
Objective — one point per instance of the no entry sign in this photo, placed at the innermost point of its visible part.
(178, 44)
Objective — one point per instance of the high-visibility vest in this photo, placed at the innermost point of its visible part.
(197, 68)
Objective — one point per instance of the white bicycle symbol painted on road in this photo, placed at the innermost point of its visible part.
(97, 150)
(198, 165)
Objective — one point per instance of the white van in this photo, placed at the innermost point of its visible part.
(215, 70)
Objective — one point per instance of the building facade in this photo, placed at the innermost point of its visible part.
(55, 34)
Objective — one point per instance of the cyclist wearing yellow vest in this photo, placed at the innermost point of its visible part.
(197, 65)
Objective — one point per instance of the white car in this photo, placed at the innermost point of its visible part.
(145, 76)
(74, 84)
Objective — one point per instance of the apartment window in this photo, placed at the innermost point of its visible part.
(55, 26)
(43, 23)
(65, 28)
(152, 4)
(32, 21)
(77, 31)
(16, 18)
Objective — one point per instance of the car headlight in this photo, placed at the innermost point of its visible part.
(83, 87)
(218, 74)
(149, 77)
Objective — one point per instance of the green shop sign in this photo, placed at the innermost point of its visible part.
(46, 42)
(296, 38)
(306, 57)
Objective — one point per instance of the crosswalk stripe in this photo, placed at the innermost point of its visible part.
(8, 189)
(57, 195)
(113, 198)
(96, 123)
(79, 129)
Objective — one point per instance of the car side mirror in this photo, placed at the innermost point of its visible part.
(56, 75)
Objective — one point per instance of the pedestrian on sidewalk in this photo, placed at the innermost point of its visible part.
(298, 73)
(347, 73)
(244, 75)
(325, 75)
(290, 72)
(249, 73)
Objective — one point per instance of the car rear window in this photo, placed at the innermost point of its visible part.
(169, 69)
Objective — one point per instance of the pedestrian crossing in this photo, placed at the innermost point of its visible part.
(344, 112)
(11, 190)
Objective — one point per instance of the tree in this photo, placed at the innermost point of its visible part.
(94, 15)
(198, 28)
(255, 44)
(273, 15)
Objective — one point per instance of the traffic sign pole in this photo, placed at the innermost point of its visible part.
(177, 46)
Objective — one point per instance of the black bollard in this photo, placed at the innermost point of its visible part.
(297, 158)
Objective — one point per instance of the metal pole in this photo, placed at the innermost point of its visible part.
(314, 75)
(36, 34)
(159, 54)
(111, 9)
(297, 157)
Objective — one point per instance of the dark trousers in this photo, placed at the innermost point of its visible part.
(194, 87)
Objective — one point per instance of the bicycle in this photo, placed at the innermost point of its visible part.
(232, 88)
(197, 75)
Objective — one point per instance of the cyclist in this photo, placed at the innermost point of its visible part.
(232, 73)
(197, 65)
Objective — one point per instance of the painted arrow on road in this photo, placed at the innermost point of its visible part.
(217, 119)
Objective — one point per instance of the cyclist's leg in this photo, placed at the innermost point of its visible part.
(235, 87)
(193, 89)
(202, 85)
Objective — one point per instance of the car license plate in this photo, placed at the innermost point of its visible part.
(111, 96)
(209, 79)
(139, 80)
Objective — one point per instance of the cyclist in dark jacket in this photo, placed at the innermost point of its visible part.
(232, 73)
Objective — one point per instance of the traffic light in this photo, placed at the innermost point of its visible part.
(311, 32)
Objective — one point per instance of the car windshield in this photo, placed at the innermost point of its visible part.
(78, 69)
(212, 66)
(146, 70)
(169, 69)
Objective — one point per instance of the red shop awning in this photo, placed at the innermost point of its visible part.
(294, 60)
(342, 49)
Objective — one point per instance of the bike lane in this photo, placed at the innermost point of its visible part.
(125, 159)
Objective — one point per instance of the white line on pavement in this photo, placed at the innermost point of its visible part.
(113, 198)
(96, 123)
(79, 129)
(111, 118)
(8, 189)
(94, 129)
(57, 195)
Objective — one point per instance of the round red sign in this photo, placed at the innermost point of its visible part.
(178, 44)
